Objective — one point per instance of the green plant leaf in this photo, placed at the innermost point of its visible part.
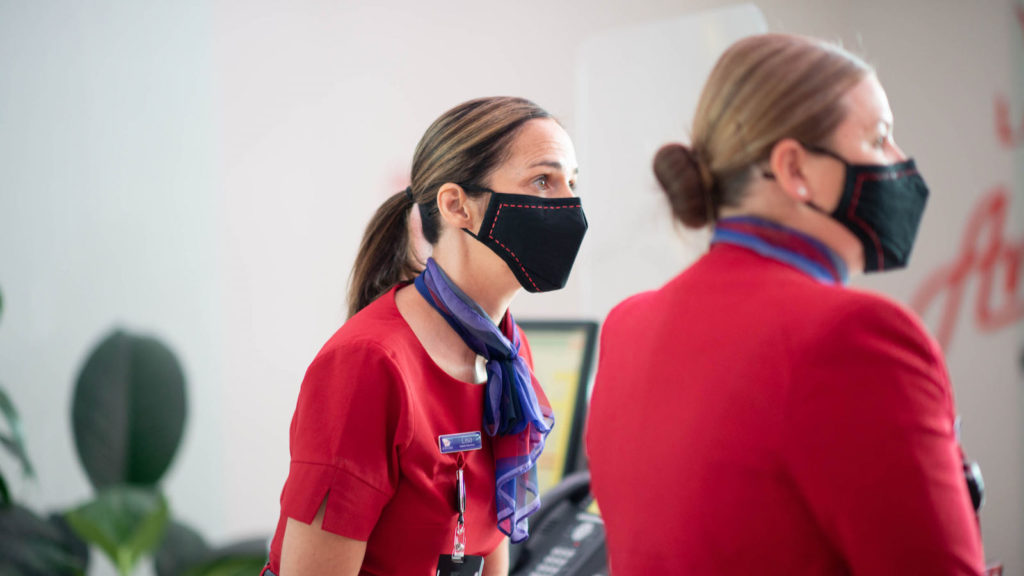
(5, 495)
(128, 412)
(125, 522)
(182, 547)
(31, 546)
(14, 441)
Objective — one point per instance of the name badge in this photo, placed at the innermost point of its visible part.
(465, 566)
(463, 442)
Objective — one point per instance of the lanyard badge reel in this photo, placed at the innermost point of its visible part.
(458, 563)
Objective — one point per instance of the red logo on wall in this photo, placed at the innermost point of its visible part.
(986, 254)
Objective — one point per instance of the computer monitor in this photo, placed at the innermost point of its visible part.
(563, 357)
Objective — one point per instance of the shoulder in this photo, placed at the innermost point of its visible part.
(357, 380)
(859, 316)
(378, 329)
(873, 347)
(373, 346)
(629, 309)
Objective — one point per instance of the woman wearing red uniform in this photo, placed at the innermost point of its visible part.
(755, 415)
(419, 422)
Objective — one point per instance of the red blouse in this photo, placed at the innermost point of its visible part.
(365, 436)
(747, 419)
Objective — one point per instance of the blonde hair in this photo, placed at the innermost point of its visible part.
(762, 89)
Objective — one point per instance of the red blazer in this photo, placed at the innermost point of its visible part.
(747, 419)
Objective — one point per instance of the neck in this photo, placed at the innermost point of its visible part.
(778, 208)
(479, 284)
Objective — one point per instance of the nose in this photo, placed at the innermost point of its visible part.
(898, 152)
(568, 190)
(562, 189)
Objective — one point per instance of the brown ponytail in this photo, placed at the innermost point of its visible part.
(463, 146)
(763, 88)
(384, 256)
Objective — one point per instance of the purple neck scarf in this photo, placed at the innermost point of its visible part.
(514, 416)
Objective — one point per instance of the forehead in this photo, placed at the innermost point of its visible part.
(541, 140)
(866, 106)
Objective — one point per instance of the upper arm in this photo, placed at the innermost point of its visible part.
(496, 563)
(872, 449)
(309, 550)
(350, 424)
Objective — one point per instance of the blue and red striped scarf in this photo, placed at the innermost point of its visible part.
(515, 416)
(783, 244)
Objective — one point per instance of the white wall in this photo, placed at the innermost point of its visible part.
(109, 212)
(203, 171)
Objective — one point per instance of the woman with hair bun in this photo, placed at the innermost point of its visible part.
(756, 415)
(419, 423)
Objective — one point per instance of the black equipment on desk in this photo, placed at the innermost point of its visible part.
(565, 538)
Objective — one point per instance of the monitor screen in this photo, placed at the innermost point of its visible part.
(563, 355)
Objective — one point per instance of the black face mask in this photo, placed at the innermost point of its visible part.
(537, 237)
(882, 206)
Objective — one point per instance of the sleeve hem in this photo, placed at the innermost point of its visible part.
(353, 506)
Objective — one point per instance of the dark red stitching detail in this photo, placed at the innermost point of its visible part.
(540, 207)
(490, 233)
(851, 213)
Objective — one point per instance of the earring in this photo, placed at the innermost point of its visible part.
(801, 192)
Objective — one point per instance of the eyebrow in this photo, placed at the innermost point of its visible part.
(553, 164)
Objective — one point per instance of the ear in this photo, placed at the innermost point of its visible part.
(454, 206)
(788, 162)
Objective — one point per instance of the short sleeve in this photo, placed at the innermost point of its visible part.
(872, 447)
(350, 424)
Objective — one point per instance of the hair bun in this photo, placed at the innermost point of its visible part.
(686, 184)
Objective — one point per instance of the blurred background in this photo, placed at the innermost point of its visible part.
(201, 173)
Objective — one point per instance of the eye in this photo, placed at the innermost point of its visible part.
(572, 185)
(541, 182)
(884, 136)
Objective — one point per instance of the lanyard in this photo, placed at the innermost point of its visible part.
(459, 545)
(459, 563)
(458, 445)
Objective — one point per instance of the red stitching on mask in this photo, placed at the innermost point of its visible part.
(852, 212)
(490, 233)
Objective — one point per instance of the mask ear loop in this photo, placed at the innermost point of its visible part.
(802, 192)
(478, 189)
(475, 188)
(815, 149)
